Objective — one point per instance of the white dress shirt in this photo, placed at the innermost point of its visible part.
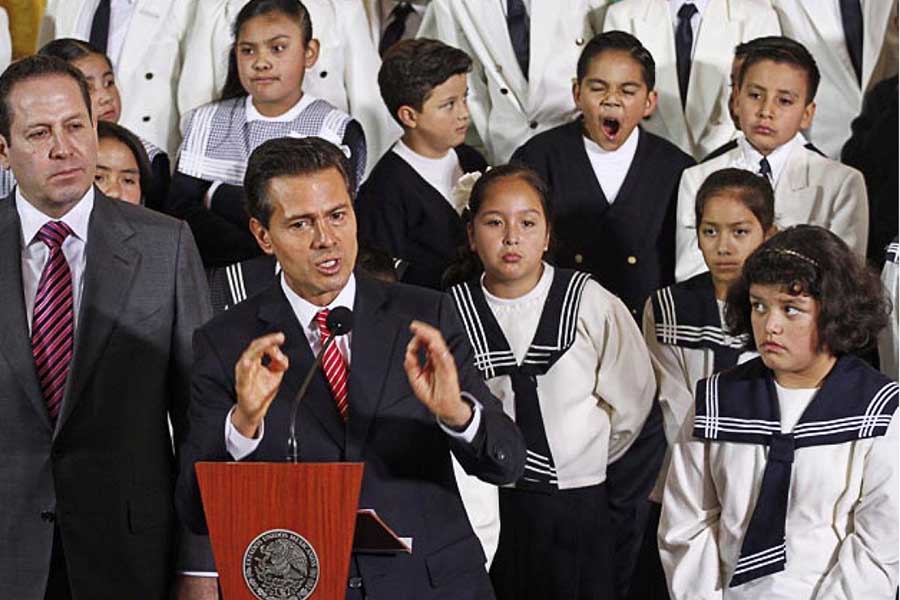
(675, 6)
(778, 158)
(35, 252)
(440, 173)
(240, 446)
(611, 166)
(120, 12)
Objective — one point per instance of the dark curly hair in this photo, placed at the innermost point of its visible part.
(467, 264)
(812, 261)
(411, 70)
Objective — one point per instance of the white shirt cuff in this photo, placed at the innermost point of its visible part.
(238, 446)
(468, 434)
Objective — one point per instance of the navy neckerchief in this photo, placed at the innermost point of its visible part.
(493, 357)
(687, 315)
(741, 405)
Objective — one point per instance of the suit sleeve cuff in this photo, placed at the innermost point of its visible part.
(238, 446)
(467, 434)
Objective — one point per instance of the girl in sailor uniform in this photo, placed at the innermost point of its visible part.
(567, 360)
(784, 481)
(684, 323)
(262, 99)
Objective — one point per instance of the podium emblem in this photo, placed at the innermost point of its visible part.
(280, 564)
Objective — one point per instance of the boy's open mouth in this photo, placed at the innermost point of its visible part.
(610, 127)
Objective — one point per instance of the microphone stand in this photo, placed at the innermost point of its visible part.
(293, 446)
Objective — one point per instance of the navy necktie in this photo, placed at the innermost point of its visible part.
(851, 19)
(100, 27)
(393, 33)
(684, 42)
(765, 169)
(519, 31)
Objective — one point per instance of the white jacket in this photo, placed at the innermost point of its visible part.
(705, 124)
(506, 108)
(148, 67)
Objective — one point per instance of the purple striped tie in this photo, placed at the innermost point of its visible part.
(53, 320)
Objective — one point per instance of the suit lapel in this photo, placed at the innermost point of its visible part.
(717, 31)
(543, 38)
(276, 312)
(490, 23)
(658, 37)
(874, 14)
(16, 348)
(831, 31)
(374, 350)
(111, 263)
(797, 195)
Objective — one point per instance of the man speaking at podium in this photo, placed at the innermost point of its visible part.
(374, 400)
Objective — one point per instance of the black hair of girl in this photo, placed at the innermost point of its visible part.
(753, 191)
(467, 264)
(812, 261)
(70, 50)
(105, 129)
(256, 8)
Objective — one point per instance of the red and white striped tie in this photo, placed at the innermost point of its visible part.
(334, 366)
(53, 318)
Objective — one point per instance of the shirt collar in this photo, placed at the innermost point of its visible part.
(626, 149)
(289, 115)
(778, 158)
(33, 219)
(305, 311)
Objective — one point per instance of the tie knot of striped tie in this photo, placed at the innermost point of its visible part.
(322, 321)
(54, 233)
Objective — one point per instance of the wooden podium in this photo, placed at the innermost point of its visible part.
(257, 511)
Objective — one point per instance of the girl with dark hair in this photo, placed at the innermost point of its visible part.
(106, 107)
(567, 360)
(262, 99)
(684, 323)
(784, 482)
(123, 169)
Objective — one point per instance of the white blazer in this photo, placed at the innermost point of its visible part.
(506, 108)
(839, 100)
(812, 189)
(148, 67)
(346, 74)
(5, 40)
(704, 124)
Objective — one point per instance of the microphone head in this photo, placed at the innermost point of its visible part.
(340, 320)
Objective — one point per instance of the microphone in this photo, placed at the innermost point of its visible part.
(339, 322)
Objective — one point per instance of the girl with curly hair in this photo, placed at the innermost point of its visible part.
(784, 482)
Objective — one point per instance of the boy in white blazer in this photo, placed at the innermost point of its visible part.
(703, 123)
(817, 24)
(508, 106)
(145, 45)
(777, 84)
(345, 74)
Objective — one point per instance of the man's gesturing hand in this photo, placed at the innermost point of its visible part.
(436, 383)
(257, 383)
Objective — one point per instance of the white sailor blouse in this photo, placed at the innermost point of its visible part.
(569, 365)
(752, 512)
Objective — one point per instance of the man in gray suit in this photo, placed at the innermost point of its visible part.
(99, 301)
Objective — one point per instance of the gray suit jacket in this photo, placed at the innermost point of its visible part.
(105, 474)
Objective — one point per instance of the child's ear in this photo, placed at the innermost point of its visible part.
(576, 91)
(808, 113)
(650, 104)
(4, 153)
(311, 53)
(470, 233)
(408, 116)
(772, 231)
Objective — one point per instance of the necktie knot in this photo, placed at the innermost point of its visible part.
(54, 233)
(322, 321)
(765, 169)
(687, 11)
(401, 11)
